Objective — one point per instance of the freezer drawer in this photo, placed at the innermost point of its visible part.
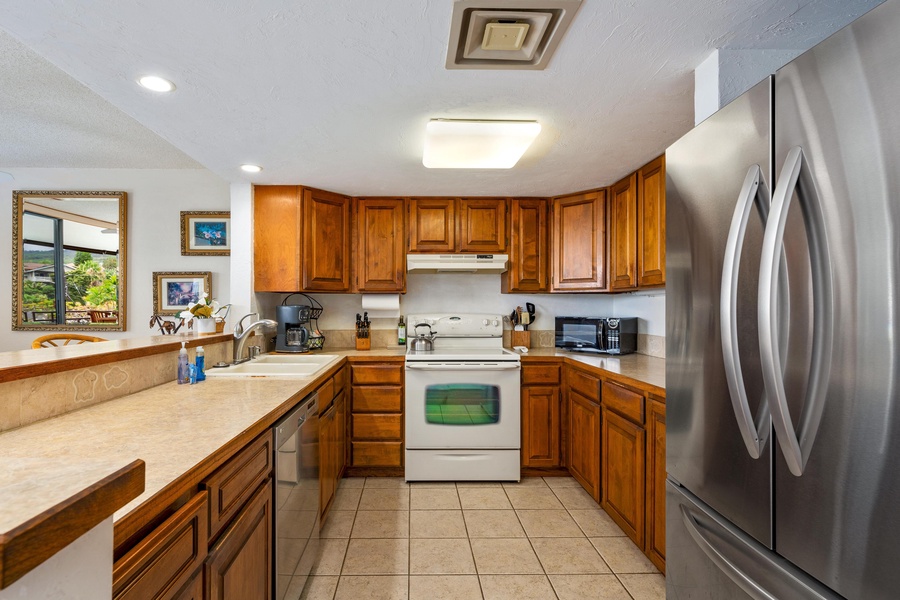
(708, 558)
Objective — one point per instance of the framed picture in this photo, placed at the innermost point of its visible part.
(205, 233)
(173, 291)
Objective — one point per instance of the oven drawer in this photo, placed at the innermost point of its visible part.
(377, 399)
(377, 427)
(377, 454)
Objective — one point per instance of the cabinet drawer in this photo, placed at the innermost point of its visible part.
(377, 399)
(627, 403)
(585, 384)
(163, 562)
(233, 484)
(540, 374)
(377, 454)
(326, 394)
(376, 374)
(340, 380)
(377, 427)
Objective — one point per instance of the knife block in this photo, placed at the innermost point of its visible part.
(520, 338)
(363, 343)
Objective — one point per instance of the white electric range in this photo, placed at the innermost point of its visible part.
(463, 410)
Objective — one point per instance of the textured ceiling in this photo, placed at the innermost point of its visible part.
(48, 119)
(336, 93)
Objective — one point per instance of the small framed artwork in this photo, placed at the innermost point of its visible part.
(205, 233)
(173, 291)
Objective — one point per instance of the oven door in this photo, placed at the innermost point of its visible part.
(462, 405)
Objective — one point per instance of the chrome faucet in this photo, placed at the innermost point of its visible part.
(241, 334)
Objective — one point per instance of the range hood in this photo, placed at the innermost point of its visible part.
(456, 263)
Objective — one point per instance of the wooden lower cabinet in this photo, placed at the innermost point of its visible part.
(240, 564)
(655, 546)
(376, 415)
(540, 426)
(584, 442)
(168, 558)
(194, 588)
(328, 441)
(623, 474)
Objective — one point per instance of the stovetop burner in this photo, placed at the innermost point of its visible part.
(462, 337)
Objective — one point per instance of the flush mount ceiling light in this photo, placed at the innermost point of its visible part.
(156, 84)
(461, 144)
(251, 168)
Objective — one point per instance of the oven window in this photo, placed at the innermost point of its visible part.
(462, 404)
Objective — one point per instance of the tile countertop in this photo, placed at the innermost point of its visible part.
(173, 428)
(641, 368)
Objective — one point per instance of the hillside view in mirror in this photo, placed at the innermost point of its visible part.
(69, 252)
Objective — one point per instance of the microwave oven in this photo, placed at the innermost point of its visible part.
(605, 335)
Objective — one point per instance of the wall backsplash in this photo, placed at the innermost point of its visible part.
(25, 401)
(481, 293)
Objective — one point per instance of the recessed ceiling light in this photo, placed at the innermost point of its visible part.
(157, 84)
(251, 168)
(460, 144)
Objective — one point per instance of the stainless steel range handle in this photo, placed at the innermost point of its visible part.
(755, 433)
(463, 366)
(795, 446)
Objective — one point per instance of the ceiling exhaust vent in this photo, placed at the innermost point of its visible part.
(507, 34)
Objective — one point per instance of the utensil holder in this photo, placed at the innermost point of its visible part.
(363, 343)
(521, 338)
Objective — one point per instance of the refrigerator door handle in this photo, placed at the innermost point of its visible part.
(755, 433)
(795, 447)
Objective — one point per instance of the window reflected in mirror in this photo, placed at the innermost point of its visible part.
(69, 253)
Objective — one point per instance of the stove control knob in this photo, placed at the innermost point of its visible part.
(496, 323)
(485, 322)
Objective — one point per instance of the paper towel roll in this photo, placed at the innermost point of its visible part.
(381, 306)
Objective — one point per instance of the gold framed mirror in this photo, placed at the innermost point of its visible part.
(69, 261)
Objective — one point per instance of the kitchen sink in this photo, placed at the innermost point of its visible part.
(277, 365)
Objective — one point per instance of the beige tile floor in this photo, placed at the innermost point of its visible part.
(543, 538)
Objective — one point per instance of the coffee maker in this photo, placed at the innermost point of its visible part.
(293, 328)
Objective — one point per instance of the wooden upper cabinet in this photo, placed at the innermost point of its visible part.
(482, 225)
(432, 224)
(623, 243)
(380, 245)
(276, 238)
(579, 243)
(326, 241)
(651, 214)
(528, 247)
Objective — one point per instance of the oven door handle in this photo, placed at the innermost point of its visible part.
(505, 366)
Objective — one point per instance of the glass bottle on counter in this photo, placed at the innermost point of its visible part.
(401, 332)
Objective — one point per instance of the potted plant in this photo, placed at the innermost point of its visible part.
(202, 313)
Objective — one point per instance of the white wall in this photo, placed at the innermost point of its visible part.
(481, 293)
(80, 571)
(727, 73)
(155, 198)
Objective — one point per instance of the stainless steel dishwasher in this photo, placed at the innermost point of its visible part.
(296, 498)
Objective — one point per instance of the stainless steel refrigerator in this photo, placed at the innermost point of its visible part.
(782, 341)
